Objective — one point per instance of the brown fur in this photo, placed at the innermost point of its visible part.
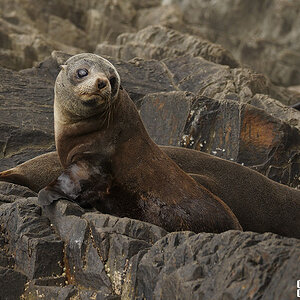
(35, 173)
(259, 203)
(112, 164)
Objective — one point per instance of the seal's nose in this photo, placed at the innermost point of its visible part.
(101, 84)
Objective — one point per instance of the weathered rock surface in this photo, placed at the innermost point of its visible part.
(159, 42)
(22, 45)
(245, 134)
(184, 101)
(30, 30)
(89, 255)
(231, 265)
(190, 92)
(263, 34)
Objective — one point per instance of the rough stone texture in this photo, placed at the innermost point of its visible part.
(164, 92)
(158, 42)
(30, 30)
(12, 283)
(21, 44)
(26, 123)
(165, 115)
(31, 239)
(230, 265)
(98, 247)
(106, 257)
(190, 92)
(11, 192)
(263, 34)
(245, 134)
(205, 78)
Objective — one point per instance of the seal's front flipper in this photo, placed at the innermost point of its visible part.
(48, 195)
(81, 182)
(66, 186)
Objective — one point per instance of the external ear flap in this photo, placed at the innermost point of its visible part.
(114, 85)
(63, 67)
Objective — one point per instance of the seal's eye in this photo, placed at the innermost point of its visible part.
(82, 72)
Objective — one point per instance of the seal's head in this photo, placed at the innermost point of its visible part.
(87, 85)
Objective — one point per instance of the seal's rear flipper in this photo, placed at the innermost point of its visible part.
(13, 177)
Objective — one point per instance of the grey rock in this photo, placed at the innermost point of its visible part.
(205, 78)
(22, 45)
(6, 260)
(31, 239)
(9, 192)
(107, 257)
(230, 130)
(29, 31)
(267, 39)
(98, 247)
(159, 42)
(12, 283)
(230, 265)
(165, 115)
(36, 292)
(26, 115)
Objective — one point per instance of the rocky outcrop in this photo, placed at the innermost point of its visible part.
(159, 42)
(261, 34)
(62, 252)
(190, 92)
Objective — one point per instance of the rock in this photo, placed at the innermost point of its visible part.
(158, 42)
(36, 248)
(142, 260)
(246, 134)
(267, 39)
(98, 247)
(22, 45)
(165, 115)
(295, 88)
(230, 265)
(106, 257)
(205, 78)
(65, 32)
(26, 117)
(38, 290)
(12, 283)
(29, 31)
(168, 16)
(10, 192)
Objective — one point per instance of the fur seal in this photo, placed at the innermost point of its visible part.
(111, 163)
